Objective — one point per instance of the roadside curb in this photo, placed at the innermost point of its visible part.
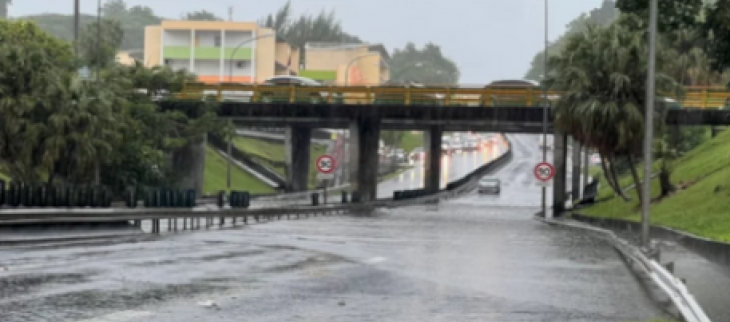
(71, 238)
(660, 297)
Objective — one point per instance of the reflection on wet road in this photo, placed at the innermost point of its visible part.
(471, 259)
(453, 167)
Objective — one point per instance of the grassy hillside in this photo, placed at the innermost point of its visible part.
(273, 154)
(701, 204)
(216, 176)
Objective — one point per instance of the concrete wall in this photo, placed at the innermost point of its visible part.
(189, 162)
(152, 41)
(367, 67)
(179, 33)
(265, 55)
(176, 38)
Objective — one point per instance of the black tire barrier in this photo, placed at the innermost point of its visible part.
(221, 199)
(344, 197)
(315, 199)
(191, 195)
(130, 198)
(355, 197)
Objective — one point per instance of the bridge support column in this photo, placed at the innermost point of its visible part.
(432, 163)
(559, 182)
(190, 160)
(575, 178)
(364, 158)
(298, 143)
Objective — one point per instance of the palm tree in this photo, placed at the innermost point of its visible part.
(603, 73)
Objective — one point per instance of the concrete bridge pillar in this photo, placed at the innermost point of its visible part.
(559, 181)
(298, 143)
(190, 162)
(575, 178)
(432, 163)
(364, 158)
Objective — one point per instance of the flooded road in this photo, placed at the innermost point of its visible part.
(477, 258)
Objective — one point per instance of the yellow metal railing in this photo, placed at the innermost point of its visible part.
(694, 97)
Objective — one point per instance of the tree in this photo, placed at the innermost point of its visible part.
(35, 65)
(672, 15)
(601, 16)
(716, 27)
(427, 65)
(202, 15)
(323, 27)
(98, 47)
(602, 72)
(133, 21)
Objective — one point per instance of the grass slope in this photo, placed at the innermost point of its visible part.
(215, 178)
(273, 154)
(702, 208)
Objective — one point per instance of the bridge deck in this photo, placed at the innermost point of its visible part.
(693, 98)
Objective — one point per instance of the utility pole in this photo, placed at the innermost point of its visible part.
(230, 13)
(546, 102)
(649, 127)
(77, 18)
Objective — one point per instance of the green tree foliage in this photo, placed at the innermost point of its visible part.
(602, 16)
(716, 26)
(322, 27)
(673, 14)
(202, 15)
(427, 65)
(57, 127)
(98, 46)
(603, 73)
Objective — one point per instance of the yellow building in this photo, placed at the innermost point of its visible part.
(347, 64)
(128, 57)
(220, 51)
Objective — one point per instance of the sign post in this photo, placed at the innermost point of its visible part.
(544, 173)
(326, 166)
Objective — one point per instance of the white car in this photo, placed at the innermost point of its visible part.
(489, 185)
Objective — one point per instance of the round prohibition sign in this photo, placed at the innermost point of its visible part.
(326, 164)
(544, 171)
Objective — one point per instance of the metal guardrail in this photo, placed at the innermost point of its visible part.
(694, 97)
(673, 287)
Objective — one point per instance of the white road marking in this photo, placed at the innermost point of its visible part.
(121, 316)
(375, 260)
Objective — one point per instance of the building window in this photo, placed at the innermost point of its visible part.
(242, 64)
(217, 41)
(167, 62)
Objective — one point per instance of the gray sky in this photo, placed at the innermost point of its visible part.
(488, 39)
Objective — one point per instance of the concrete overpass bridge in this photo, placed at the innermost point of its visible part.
(365, 111)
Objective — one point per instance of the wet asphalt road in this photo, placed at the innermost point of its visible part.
(478, 258)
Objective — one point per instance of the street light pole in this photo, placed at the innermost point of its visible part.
(546, 102)
(349, 64)
(649, 126)
(77, 19)
(229, 144)
(233, 53)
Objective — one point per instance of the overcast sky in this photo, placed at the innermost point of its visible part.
(488, 39)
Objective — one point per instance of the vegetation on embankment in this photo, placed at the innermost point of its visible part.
(273, 154)
(701, 203)
(216, 176)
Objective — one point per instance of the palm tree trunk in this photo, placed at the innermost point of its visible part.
(609, 178)
(635, 175)
(614, 177)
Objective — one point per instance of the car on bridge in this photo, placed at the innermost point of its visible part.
(284, 82)
(489, 185)
(417, 154)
